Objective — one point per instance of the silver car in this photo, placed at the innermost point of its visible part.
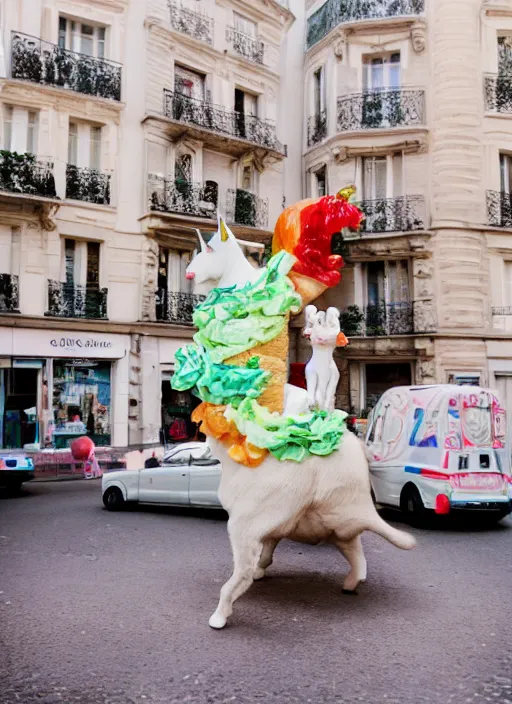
(189, 476)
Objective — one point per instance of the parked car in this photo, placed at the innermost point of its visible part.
(440, 449)
(188, 476)
(15, 470)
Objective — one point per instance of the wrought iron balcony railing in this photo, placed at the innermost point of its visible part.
(501, 310)
(388, 319)
(9, 293)
(403, 214)
(184, 197)
(216, 118)
(195, 24)
(249, 47)
(498, 93)
(39, 61)
(22, 173)
(175, 307)
(380, 109)
(336, 12)
(245, 208)
(76, 301)
(499, 208)
(89, 185)
(317, 128)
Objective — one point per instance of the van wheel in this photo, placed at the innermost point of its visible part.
(412, 505)
(113, 499)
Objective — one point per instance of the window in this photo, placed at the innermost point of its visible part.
(321, 182)
(387, 282)
(374, 177)
(73, 143)
(507, 283)
(244, 25)
(83, 38)
(381, 72)
(189, 83)
(81, 263)
(318, 91)
(84, 145)
(20, 130)
(248, 177)
(7, 127)
(506, 173)
(183, 168)
(172, 267)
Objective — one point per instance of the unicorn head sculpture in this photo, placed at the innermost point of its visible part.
(221, 260)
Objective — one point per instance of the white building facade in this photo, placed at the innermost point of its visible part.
(125, 124)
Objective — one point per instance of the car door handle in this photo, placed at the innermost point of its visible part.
(183, 475)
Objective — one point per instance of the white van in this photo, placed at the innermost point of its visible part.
(440, 448)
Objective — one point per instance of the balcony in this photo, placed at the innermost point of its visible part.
(183, 197)
(317, 128)
(88, 185)
(67, 300)
(499, 209)
(336, 12)
(176, 308)
(23, 174)
(215, 120)
(403, 214)
(250, 48)
(194, 24)
(9, 293)
(39, 61)
(245, 208)
(388, 319)
(498, 93)
(382, 109)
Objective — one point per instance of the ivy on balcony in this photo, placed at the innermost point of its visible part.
(336, 12)
(388, 319)
(249, 47)
(22, 173)
(88, 185)
(39, 61)
(9, 293)
(499, 208)
(245, 208)
(381, 109)
(70, 300)
(317, 128)
(184, 197)
(194, 24)
(216, 118)
(176, 307)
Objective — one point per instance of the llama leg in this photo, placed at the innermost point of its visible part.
(246, 553)
(266, 558)
(353, 552)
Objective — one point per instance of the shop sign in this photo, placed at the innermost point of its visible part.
(54, 343)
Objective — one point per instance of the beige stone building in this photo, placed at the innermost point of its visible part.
(412, 101)
(124, 125)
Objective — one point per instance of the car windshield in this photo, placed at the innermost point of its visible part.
(196, 452)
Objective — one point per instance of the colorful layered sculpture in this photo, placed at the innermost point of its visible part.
(238, 365)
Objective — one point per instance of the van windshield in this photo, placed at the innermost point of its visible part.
(477, 425)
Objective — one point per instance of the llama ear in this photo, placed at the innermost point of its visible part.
(204, 247)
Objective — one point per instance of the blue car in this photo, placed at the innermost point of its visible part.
(14, 470)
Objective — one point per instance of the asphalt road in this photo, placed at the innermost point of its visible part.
(114, 607)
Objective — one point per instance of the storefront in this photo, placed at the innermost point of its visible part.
(56, 386)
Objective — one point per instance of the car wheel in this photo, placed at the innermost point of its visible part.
(113, 499)
(14, 487)
(491, 518)
(411, 504)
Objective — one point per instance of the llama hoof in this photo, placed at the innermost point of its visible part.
(217, 621)
(259, 573)
(350, 592)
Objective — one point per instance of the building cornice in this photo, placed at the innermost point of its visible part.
(104, 326)
(497, 8)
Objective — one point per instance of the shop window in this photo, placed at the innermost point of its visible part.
(177, 408)
(81, 401)
(19, 391)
